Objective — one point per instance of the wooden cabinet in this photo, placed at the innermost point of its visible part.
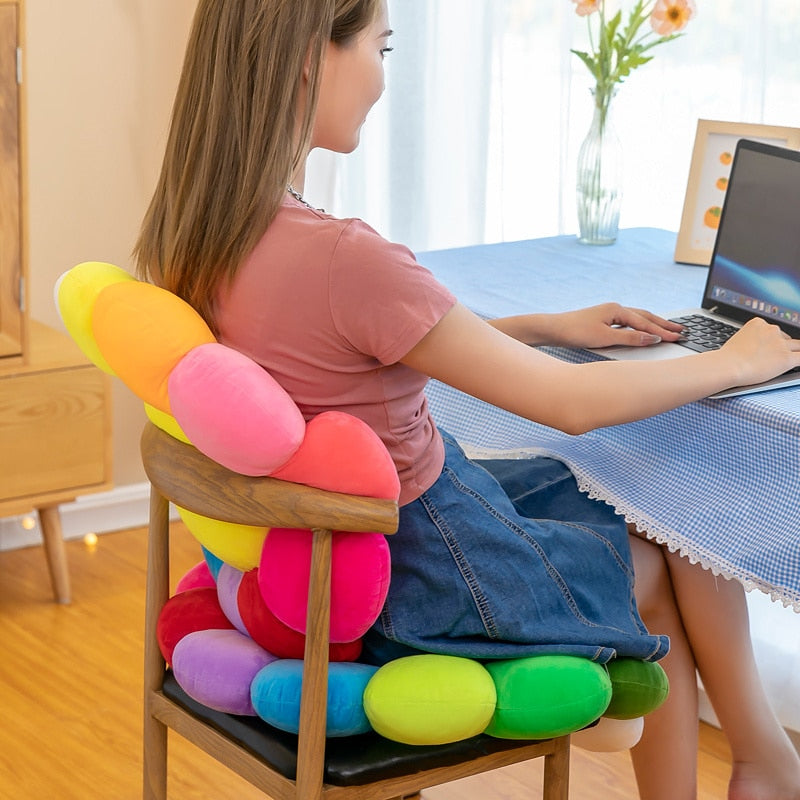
(54, 425)
(12, 317)
(55, 415)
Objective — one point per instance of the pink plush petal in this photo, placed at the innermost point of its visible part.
(360, 566)
(234, 411)
(199, 576)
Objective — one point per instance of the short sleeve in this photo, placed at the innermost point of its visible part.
(383, 301)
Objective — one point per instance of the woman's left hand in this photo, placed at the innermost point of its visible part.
(610, 324)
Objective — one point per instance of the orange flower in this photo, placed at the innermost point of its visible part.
(671, 16)
(586, 7)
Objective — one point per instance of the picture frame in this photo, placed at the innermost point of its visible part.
(714, 146)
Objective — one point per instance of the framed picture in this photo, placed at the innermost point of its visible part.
(714, 146)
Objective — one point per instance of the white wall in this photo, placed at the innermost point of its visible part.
(101, 77)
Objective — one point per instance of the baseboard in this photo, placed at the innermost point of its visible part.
(121, 508)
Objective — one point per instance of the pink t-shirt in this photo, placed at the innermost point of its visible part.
(328, 307)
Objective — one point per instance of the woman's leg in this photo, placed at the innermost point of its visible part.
(665, 759)
(715, 619)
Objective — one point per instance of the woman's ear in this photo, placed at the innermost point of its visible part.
(309, 60)
(307, 64)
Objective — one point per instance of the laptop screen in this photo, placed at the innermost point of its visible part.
(755, 266)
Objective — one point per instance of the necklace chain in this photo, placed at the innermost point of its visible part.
(299, 197)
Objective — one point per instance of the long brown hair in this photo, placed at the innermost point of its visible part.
(237, 135)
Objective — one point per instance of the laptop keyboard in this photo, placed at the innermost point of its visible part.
(702, 334)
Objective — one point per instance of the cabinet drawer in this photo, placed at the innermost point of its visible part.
(54, 430)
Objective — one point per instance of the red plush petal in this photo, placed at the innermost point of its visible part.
(185, 613)
(279, 639)
(341, 453)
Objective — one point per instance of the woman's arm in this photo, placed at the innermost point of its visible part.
(598, 326)
(468, 353)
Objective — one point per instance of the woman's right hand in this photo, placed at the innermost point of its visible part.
(469, 354)
(760, 351)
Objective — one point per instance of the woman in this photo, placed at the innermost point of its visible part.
(494, 559)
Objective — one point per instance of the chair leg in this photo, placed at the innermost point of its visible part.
(157, 592)
(155, 759)
(556, 772)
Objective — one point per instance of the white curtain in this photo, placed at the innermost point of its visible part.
(477, 136)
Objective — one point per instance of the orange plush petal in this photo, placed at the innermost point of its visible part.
(342, 453)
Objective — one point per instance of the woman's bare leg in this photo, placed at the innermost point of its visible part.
(716, 622)
(665, 759)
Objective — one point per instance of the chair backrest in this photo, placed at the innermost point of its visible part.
(181, 474)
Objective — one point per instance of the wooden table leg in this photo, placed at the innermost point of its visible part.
(55, 552)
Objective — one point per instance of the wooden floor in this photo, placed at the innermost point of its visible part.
(70, 695)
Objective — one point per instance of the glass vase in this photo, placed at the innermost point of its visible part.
(599, 179)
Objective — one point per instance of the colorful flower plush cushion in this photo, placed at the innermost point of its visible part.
(424, 699)
(219, 629)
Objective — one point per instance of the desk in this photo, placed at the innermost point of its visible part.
(718, 480)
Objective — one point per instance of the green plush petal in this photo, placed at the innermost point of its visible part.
(545, 696)
(638, 687)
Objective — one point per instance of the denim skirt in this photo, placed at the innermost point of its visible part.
(505, 559)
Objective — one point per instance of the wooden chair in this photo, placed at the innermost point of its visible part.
(284, 766)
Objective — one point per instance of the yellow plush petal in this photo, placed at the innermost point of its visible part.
(75, 294)
(237, 545)
(166, 422)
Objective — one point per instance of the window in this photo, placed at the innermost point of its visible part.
(477, 136)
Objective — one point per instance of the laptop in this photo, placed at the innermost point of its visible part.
(755, 264)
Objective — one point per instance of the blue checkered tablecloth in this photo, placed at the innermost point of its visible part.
(718, 480)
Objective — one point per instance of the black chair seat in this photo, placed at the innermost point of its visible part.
(350, 761)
